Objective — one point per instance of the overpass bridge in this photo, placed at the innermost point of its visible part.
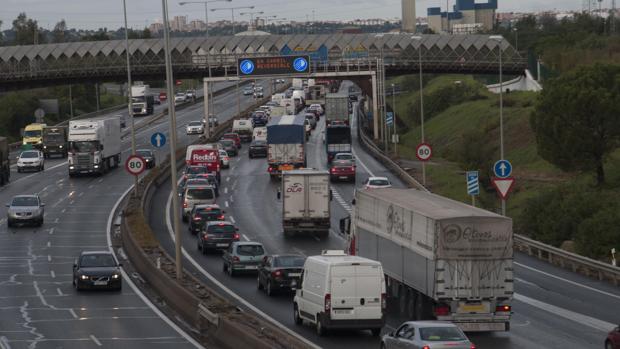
(196, 57)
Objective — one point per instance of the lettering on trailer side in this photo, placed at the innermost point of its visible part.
(295, 188)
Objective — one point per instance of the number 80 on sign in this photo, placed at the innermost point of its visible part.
(135, 165)
(424, 152)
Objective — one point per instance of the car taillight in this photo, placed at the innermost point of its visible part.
(383, 301)
(270, 169)
(473, 346)
(328, 303)
(442, 310)
(503, 308)
(235, 259)
(426, 347)
(236, 236)
(185, 204)
(276, 274)
(332, 170)
(221, 218)
(205, 237)
(197, 218)
(352, 168)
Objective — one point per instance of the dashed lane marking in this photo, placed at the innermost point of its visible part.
(95, 340)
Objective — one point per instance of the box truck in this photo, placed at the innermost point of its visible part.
(286, 140)
(94, 145)
(244, 128)
(337, 108)
(306, 198)
(142, 100)
(442, 259)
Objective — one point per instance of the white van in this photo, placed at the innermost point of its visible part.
(339, 291)
(243, 127)
(260, 134)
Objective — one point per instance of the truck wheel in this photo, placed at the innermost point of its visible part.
(376, 332)
(324, 234)
(258, 283)
(269, 290)
(296, 318)
(320, 329)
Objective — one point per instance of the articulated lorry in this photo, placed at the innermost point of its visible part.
(337, 108)
(55, 141)
(5, 165)
(443, 259)
(94, 145)
(306, 200)
(143, 101)
(286, 140)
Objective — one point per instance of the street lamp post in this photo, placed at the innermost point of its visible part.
(423, 140)
(500, 39)
(173, 144)
(206, 3)
(394, 136)
(251, 16)
(129, 94)
(232, 13)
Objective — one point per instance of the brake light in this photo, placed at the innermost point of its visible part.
(328, 303)
(235, 259)
(270, 169)
(352, 168)
(472, 346)
(197, 219)
(383, 301)
(332, 170)
(236, 236)
(426, 347)
(503, 309)
(442, 310)
(185, 204)
(205, 236)
(277, 273)
(221, 217)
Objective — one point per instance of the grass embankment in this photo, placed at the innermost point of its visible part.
(462, 125)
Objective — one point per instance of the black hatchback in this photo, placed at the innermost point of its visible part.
(258, 149)
(280, 272)
(202, 214)
(217, 236)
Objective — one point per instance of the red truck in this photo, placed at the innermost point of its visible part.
(207, 155)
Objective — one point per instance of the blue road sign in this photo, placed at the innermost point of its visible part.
(300, 64)
(502, 169)
(389, 118)
(473, 185)
(247, 66)
(158, 139)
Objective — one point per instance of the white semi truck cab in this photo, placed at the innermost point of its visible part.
(94, 145)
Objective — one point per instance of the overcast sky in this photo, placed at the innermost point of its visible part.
(89, 14)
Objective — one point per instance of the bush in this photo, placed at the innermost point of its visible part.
(475, 152)
(597, 235)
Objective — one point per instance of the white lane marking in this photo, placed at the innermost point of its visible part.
(232, 219)
(567, 314)
(226, 190)
(4, 343)
(73, 313)
(51, 231)
(567, 281)
(63, 210)
(245, 237)
(227, 179)
(53, 274)
(49, 258)
(56, 220)
(95, 340)
(128, 280)
(226, 289)
(59, 292)
(49, 244)
(226, 203)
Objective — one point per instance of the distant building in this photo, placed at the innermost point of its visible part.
(197, 25)
(409, 17)
(156, 27)
(178, 23)
(468, 17)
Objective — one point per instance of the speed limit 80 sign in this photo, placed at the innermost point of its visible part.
(424, 152)
(135, 165)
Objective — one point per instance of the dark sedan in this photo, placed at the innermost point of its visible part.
(258, 149)
(280, 272)
(202, 214)
(96, 269)
(217, 236)
(148, 156)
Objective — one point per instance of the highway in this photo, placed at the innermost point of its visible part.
(39, 307)
(553, 308)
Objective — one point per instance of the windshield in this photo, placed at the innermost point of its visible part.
(83, 147)
(379, 182)
(144, 153)
(180, 94)
(211, 215)
(97, 260)
(344, 157)
(25, 201)
(54, 138)
(250, 250)
(29, 155)
(196, 170)
(224, 228)
(289, 262)
(259, 144)
(440, 334)
(32, 133)
(223, 153)
(197, 181)
(195, 123)
(227, 143)
(199, 194)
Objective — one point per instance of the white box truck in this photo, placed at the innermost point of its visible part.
(306, 198)
(338, 291)
(442, 259)
(244, 128)
(94, 145)
(286, 139)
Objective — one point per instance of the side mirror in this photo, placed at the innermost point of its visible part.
(279, 195)
(353, 202)
(223, 211)
(331, 195)
(391, 334)
(42, 205)
(120, 264)
(265, 260)
(8, 205)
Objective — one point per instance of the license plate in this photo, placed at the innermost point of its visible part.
(473, 308)
(251, 267)
(343, 177)
(286, 168)
(294, 274)
(342, 311)
(221, 245)
(100, 283)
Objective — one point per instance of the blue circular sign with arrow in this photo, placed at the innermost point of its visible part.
(300, 64)
(246, 66)
(502, 169)
(158, 139)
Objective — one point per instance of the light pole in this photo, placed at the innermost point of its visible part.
(232, 13)
(129, 94)
(173, 144)
(516, 38)
(500, 40)
(251, 17)
(206, 3)
(395, 138)
(423, 140)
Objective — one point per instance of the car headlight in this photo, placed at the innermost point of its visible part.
(60, 146)
(45, 147)
(84, 277)
(115, 276)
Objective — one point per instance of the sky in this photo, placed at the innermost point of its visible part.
(92, 14)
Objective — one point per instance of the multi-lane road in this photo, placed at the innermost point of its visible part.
(38, 306)
(553, 308)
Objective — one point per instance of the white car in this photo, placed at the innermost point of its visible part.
(377, 183)
(195, 127)
(180, 98)
(318, 107)
(224, 159)
(30, 160)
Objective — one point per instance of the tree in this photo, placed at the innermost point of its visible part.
(59, 32)
(575, 120)
(100, 35)
(1, 37)
(26, 30)
(146, 33)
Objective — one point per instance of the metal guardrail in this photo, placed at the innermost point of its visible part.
(551, 254)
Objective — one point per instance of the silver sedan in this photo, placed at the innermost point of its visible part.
(426, 334)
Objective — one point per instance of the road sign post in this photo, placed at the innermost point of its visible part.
(473, 185)
(503, 170)
(135, 165)
(424, 152)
